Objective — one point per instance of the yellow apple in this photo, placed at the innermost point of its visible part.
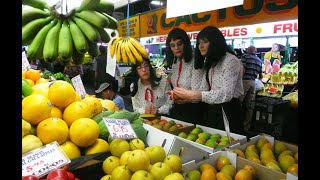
(110, 163)
(174, 176)
(160, 170)
(174, 161)
(124, 158)
(119, 146)
(121, 173)
(138, 160)
(141, 175)
(136, 144)
(106, 177)
(156, 153)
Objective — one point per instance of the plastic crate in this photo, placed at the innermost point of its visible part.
(270, 116)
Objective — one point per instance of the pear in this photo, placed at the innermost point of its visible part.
(194, 175)
(255, 160)
(239, 152)
(253, 148)
(223, 176)
(279, 148)
(229, 170)
(267, 146)
(243, 174)
(285, 162)
(293, 169)
(284, 153)
(251, 169)
(222, 161)
(209, 166)
(273, 166)
(261, 142)
(266, 155)
(251, 153)
(296, 157)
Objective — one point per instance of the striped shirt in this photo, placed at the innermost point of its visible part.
(252, 65)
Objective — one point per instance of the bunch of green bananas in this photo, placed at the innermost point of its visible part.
(127, 49)
(53, 36)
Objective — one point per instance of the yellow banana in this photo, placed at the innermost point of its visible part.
(123, 52)
(118, 50)
(139, 47)
(131, 57)
(135, 52)
(113, 43)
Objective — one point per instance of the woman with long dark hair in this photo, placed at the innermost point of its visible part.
(223, 76)
(179, 57)
(149, 93)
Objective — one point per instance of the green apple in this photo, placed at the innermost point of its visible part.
(192, 137)
(211, 143)
(205, 135)
(215, 136)
(136, 144)
(156, 153)
(183, 135)
(121, 173)
(194, 175)
(160, 170)
(138, 160)
(201, 140)
(174, 161)
(174, 176)
(141, 175)
(196, 130)
(124, 158)
(110, 164)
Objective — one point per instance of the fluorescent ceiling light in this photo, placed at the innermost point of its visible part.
(156, 3)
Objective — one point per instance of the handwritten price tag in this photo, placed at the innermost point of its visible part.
(41, 161)
(119, 128)
(25, 62)
(78, 86)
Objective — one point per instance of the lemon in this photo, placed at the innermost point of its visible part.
(30, 142)
(25, 128)
(70, 149)
(56, 112)
(42, 89)
(99, 146)
(35, 108)
(108, 104)
(94, 104)
(52, 129)
(84, 132)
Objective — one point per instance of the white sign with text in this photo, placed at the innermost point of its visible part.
(78, 86)
(119, 128)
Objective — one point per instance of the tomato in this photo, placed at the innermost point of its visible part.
(30, 177)
(70, 175)
(56, 174)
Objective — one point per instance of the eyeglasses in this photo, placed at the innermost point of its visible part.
(179, 43)
(145, 66)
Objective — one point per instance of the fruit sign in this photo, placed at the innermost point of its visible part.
(78, 86)
(25, 62)
(41, 161)
(120, 128)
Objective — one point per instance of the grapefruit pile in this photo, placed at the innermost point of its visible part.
(55, 112)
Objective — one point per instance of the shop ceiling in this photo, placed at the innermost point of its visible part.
(138, 6)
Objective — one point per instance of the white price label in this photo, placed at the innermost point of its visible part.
(226, 124)
(41, 161)
(119, 128)
(78, 86)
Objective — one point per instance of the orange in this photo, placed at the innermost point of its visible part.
(33, 74)
(31, 83)
(41, 80)
(84, 132)
(56, 112)
(94, 104)
(75, 111)
(52, 129)
(61, 94)
(35, 108)
(70, 149)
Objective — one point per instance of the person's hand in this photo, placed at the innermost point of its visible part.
(147, 109)
(180, 101)
(182, 93)
(153, 110)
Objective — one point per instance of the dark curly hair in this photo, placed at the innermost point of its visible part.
(174, 34)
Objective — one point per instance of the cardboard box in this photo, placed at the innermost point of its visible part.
(172, 145)
(254, 140)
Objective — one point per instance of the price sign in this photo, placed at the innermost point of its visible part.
(226, 124)
(25, 62)
(120, 128)
(78, 86)
(41, 161)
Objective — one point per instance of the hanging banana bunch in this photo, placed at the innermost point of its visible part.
(56, 36)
